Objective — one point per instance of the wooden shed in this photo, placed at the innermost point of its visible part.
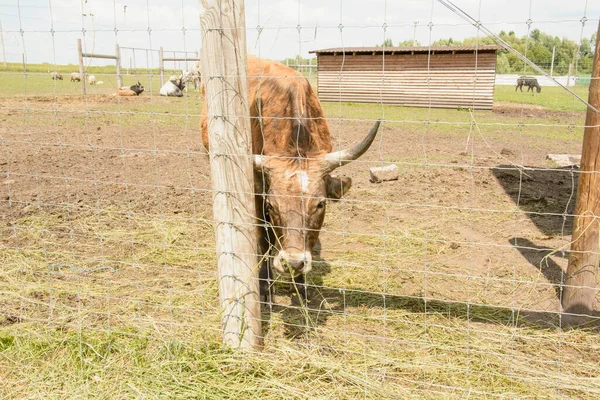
(442, 77)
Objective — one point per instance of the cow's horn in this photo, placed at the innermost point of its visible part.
(343, 157)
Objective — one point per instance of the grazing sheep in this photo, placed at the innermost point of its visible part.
(92, 79)
(100, 83)
(75, 77)
(57, 76)
(173, 87)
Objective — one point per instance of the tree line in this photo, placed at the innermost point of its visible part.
(537, 46)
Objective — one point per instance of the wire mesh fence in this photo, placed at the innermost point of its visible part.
(445, 282)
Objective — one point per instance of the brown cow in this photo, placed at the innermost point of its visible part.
(293, 162)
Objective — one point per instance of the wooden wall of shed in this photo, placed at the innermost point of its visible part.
(441, 80)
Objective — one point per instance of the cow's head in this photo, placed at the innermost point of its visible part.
(138, 88)
(296, 199)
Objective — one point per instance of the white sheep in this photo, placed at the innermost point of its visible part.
(92, 79)
(75, 77)
(100, 83)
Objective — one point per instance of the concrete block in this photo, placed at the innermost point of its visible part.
(565, 160)
(387, 173)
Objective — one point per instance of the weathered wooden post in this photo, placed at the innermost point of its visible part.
(161, 64)
(580, 284)
(224, 68)
(81, 69)
(118, 59)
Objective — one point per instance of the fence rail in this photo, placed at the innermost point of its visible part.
(117, 57)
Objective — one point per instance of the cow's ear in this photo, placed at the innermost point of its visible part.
(337, 186)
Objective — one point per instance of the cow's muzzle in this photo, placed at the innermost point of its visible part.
(293, 263)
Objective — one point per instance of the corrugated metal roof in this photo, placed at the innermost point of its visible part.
(406, 49)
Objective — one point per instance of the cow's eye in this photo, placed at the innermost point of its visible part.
(269, 207)
(321, 204)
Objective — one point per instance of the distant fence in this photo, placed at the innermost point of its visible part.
(188, 56)
(81, 55)
(308, 70)
(511, 79)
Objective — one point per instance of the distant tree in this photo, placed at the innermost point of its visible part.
(298, 60)
(478, 41)
(387, 43)
(537, 46)
(408, 43)
(584, 64)
(446, 42)
(585, 48)
(502, 65)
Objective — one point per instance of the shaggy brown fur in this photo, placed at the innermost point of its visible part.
(292, 120)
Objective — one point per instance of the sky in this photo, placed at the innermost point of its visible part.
(47, 30)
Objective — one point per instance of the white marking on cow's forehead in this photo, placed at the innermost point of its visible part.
(302, 178)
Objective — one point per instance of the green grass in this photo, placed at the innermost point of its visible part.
(456, 122)
(40, 84)
(551, 98)
(138, 317)
(36, 79)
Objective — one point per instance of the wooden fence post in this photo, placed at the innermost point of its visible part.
(81, 68)
(580, 284)
(118, 56)
(161, 63)
(224, 68)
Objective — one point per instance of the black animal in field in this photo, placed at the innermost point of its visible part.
(528, 81)
(137, 88)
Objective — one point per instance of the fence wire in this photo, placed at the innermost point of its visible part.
(445, 282)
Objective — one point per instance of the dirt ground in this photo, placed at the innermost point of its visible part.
(478, 218)
(482, 219)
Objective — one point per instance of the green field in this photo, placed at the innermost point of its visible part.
(551, 98)
(108, 287)
(36, 79)
(13, 81)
